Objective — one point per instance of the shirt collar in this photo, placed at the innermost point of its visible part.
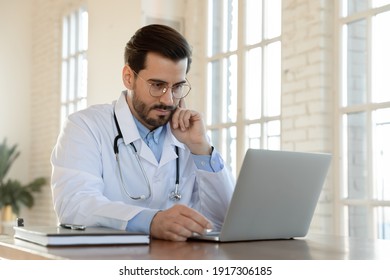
(130, 131)
(147, 134)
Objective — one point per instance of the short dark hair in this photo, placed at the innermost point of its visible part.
(160, 39)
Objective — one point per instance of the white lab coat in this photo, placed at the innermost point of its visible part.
(86, 185)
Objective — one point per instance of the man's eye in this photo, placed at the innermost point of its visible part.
(177, 87)
(159, 86)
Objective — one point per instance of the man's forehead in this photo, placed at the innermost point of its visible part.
(154, 59)
(164, 69)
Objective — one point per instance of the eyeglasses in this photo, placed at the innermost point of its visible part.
(157, 89)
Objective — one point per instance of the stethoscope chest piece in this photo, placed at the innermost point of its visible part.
(175, 195)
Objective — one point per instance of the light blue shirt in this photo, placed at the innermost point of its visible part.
(155, 140)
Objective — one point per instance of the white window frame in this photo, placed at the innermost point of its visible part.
(74, 62)
(369, 226)
(241, 122)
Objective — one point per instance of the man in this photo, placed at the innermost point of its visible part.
(143, 163)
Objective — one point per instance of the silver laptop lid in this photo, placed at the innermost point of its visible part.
(275, 195)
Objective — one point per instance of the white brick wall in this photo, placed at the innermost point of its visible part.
(45, 89)
(307, 92)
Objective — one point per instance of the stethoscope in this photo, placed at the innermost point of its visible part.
(174, 195)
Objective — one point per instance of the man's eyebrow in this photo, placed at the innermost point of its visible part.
(164, 82)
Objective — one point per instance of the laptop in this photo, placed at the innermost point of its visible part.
(275, 196)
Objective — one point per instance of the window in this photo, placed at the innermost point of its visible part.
(244, 76)
(365, 118)
(74, 62)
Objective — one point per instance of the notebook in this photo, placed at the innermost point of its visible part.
(59, 236)
(275, 196)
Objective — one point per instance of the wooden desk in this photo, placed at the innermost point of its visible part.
(315, 247)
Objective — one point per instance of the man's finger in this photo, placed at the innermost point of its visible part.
(196, 217)
(182, 103)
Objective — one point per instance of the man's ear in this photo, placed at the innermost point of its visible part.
(127, 77)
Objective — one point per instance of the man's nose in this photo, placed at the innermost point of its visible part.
(167, 97)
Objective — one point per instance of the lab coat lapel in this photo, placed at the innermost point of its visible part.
(146, 153)
(169, 152)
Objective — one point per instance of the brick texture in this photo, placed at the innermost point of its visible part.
(307, 92)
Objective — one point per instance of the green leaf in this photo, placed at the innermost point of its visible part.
(25, 198)
(12, 192)
(7, 156)
(36, 185)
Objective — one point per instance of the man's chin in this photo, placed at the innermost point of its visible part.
(158, 121)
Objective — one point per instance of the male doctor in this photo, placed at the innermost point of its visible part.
(143, 163)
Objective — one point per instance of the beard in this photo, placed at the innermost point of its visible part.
(143, 111)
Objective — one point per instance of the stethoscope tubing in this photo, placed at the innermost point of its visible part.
(174, 195)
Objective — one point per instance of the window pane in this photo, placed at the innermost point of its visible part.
(378, 3)
(273, 18)
(215, 139)
(71, 108)
(72, 34)
(356, 155)
(229, 105)
(253, 23)
(229, 140)
(253, 132)
(380, 58)
(358, 220)
(81, 104)
(83, 31)
(215, 27)
(355, 65)
(65, 82)
(222, 91)
(253, 88)
(232, 25)
(82, 75)
(72, 78)
(214, 95)
(223, 26)
(353, 6)
(381, 146)
(273, 135)
(383, 222)
(272, 79)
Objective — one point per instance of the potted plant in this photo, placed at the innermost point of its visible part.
(13, 194)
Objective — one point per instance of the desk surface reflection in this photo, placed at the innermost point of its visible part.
(312, 247)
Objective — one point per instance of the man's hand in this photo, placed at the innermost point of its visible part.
(178, 223)
(188, 127)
